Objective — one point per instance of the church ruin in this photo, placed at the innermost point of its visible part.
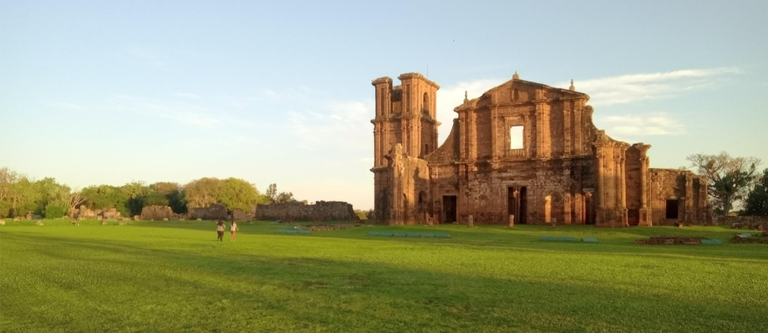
(522, 149)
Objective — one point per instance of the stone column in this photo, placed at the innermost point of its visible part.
(567, 128)
(600, 179)
(539, 130)
(623, 182)
(494, 131)
(645, 213)
(619, 185)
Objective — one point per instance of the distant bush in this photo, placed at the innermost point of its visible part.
(54, 211)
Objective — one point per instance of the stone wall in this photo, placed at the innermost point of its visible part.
(296, 211)
(240, 215)
(212, 212)
(157, 213)
(750, 222)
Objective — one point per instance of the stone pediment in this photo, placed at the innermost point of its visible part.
(518, 91)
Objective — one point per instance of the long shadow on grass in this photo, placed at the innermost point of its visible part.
(298, 294)
(526, 238)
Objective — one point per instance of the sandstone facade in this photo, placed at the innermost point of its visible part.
(297, 211)
(523, 149)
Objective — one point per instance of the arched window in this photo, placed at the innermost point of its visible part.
(425, 103)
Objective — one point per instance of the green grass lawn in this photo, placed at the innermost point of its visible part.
(166, 276)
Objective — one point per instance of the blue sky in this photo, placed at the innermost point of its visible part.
(108, 92)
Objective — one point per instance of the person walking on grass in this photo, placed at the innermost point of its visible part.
(220, 230)
(233, 229)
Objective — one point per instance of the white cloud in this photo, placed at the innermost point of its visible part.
(633, 125)
(336, 124)
(605, 91)
(634, 87)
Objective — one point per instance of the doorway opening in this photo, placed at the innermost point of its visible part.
(672, 209)
(449, 208)
(516, 203)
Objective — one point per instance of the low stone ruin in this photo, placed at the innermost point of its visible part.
(39, 223)
(760, 239)
(297, 211)
(155, 213)
(212, 212)
(670, 240)
(743, 222)
(83, 212)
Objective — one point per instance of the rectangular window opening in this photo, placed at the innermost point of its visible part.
(516, 137)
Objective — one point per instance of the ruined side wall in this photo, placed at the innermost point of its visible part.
(689, 190)
(665, 185)
(410, 195)
(296, 211)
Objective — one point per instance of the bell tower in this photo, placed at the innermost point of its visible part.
(405, 114)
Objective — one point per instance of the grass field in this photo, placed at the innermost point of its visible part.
(173, 276)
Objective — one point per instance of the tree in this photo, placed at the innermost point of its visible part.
(51, 193)
(76, 198)
(165, 188)
(729, 177)
(284, 197)
(202, 192)
(174, 195)
(272, 192)
(238, 194)
(153, 199)
(106, 196)
(756, 203)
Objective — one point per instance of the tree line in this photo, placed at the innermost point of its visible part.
(732, 180)
(50, 199)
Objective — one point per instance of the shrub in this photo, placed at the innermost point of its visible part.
(54, 211)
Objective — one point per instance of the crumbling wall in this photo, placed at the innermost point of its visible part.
(212, 212)
(107, 213)
(240, 215)
(297, 211)
(682, 188)
(747, 222)
(156, 213)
